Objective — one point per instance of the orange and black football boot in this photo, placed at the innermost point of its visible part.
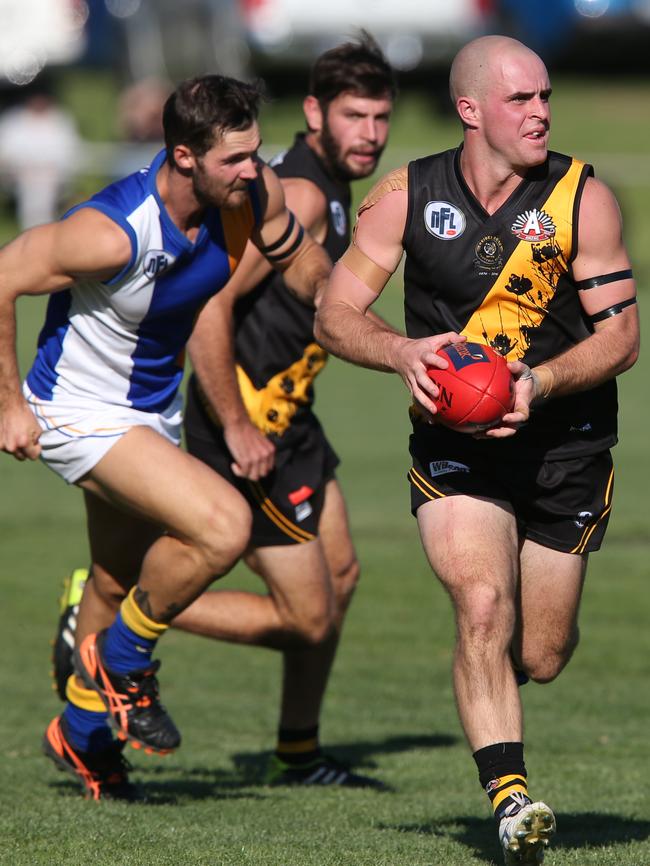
(103, 775)
(131, 699)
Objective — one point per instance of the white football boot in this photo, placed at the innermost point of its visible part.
(525, 835)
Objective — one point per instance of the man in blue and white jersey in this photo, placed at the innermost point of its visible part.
(129, 271)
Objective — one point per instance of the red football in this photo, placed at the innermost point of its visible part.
(476, 388)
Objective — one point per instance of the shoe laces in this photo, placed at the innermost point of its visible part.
(143, 687)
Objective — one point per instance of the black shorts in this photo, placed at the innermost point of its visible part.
(287, 503)
(561, 504)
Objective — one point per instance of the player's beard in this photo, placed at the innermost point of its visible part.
(209, 194)
(336, 160)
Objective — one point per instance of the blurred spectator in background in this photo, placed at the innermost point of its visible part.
(39, 152)
(140, 109)
(140, 118)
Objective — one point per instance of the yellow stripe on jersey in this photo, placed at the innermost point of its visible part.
(518, 301)
(237, 225)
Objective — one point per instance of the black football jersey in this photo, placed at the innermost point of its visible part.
(275, 351)
(505, 279)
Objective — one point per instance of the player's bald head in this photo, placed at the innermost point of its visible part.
(478, 62)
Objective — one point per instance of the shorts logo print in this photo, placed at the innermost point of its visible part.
(582, 518)
(303, 511)
(444, 467)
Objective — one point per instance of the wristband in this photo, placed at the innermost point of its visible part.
(544, 380)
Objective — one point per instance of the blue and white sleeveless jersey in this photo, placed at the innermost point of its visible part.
(122, 341)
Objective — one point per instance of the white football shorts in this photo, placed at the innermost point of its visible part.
(77, 433)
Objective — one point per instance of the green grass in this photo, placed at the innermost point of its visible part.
(390, 705)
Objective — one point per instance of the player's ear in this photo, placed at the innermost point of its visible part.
(184, 157)
(313, 113)
(468, 111)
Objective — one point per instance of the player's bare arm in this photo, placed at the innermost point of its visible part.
(343, 323)
(211, 347)
(608, 296)
(44, 260)
(288, 247)
(309, 204)
(211, 350)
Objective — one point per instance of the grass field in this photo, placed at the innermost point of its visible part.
(390, 707)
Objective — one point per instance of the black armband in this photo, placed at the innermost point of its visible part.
(290, 250)
(603, 279)
(612, 311)
(282, 239)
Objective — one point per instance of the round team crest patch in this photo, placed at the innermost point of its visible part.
(157, 261)
(338, 218)
(489, 252)
(444, 220)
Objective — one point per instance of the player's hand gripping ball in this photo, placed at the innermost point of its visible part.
(475, 391)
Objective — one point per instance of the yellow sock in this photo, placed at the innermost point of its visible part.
(139, 622)
(85, 699)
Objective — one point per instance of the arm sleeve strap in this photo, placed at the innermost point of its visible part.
(612, 311)
(363, 267)
(603, 279)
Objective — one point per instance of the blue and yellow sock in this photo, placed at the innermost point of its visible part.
(131, 639)
(86, 718)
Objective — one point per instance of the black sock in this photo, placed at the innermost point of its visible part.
(502, 773)
(298, 747)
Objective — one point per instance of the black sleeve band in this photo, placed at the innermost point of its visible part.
(612, 311)
(602, 280)
(277, 257)
(283, 239)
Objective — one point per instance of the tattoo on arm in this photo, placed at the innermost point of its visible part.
(172, 610)
(141, 598)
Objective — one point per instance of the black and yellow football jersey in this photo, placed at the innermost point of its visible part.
(277, 360)
(505, 279)
(276, 355)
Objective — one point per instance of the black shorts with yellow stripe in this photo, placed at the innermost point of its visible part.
(560, 504)
(287, 503)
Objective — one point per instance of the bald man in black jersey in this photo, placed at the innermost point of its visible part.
(249, 416)
(510, 244)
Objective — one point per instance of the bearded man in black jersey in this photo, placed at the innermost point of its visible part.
(510, 244)
(249, 417)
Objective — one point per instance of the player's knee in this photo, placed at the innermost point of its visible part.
(316, 631)
(311, 622)
(225, 534)
(483, 611)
